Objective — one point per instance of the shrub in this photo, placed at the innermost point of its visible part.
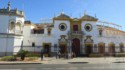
(120, 55)
(8, 58)
(95, 55)
(22, 54)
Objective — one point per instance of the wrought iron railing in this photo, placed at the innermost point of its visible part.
(76, 32)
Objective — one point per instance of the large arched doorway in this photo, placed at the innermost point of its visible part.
(63, 49)
(112, 49)
(88, 48)
(101, 48)
(76, 46)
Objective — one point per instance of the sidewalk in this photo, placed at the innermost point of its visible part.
(53, 60)
(103, 60)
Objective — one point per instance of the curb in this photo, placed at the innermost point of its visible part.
(17, 63)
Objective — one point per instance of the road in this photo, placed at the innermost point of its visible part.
(114, 66)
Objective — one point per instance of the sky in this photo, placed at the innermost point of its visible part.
(35, 10)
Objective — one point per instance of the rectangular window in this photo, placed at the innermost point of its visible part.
(75, 27)
(49, 32)
(42, 31)
(33, 44)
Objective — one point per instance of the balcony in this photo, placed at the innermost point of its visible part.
(76, 32)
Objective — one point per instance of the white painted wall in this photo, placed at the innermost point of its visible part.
(9, 42)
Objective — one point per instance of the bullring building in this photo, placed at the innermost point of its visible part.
(85, 35)
(82, 36)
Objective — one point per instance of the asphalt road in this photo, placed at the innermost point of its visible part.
(114, 66)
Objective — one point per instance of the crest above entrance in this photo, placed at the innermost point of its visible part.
(63, 39)
(88, 39)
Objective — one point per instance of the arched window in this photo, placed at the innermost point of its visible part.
(12, 27)
(18, 26)
(100, 32)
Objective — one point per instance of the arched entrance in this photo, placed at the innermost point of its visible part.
(76, 46)
(112, 49)
(47, 49)
(88, 48)
(63, 48)
(101, 48)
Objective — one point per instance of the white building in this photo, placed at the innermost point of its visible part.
(11, 30)
(82, 36)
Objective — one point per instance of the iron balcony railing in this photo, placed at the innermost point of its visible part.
(76, 32)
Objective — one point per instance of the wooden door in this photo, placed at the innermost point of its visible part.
(101, 48)
(76, 46)
(63, 49)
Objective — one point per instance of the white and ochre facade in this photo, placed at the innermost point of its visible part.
(82, 36)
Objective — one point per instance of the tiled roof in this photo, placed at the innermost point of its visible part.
(63, 16)
(89, 18)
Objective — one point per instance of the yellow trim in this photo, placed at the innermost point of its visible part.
(91, 44)
(111, 44)
(101, 44)
(73, 22)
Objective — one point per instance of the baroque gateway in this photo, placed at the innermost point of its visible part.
(81, 36)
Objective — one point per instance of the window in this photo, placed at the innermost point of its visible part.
(49, 32)
(12, 27)
(75, 27)
(100, 32)
(62, 27)
(88, 27)
(42, 31)
(38, 31)
(18, 26)
(33, 44)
